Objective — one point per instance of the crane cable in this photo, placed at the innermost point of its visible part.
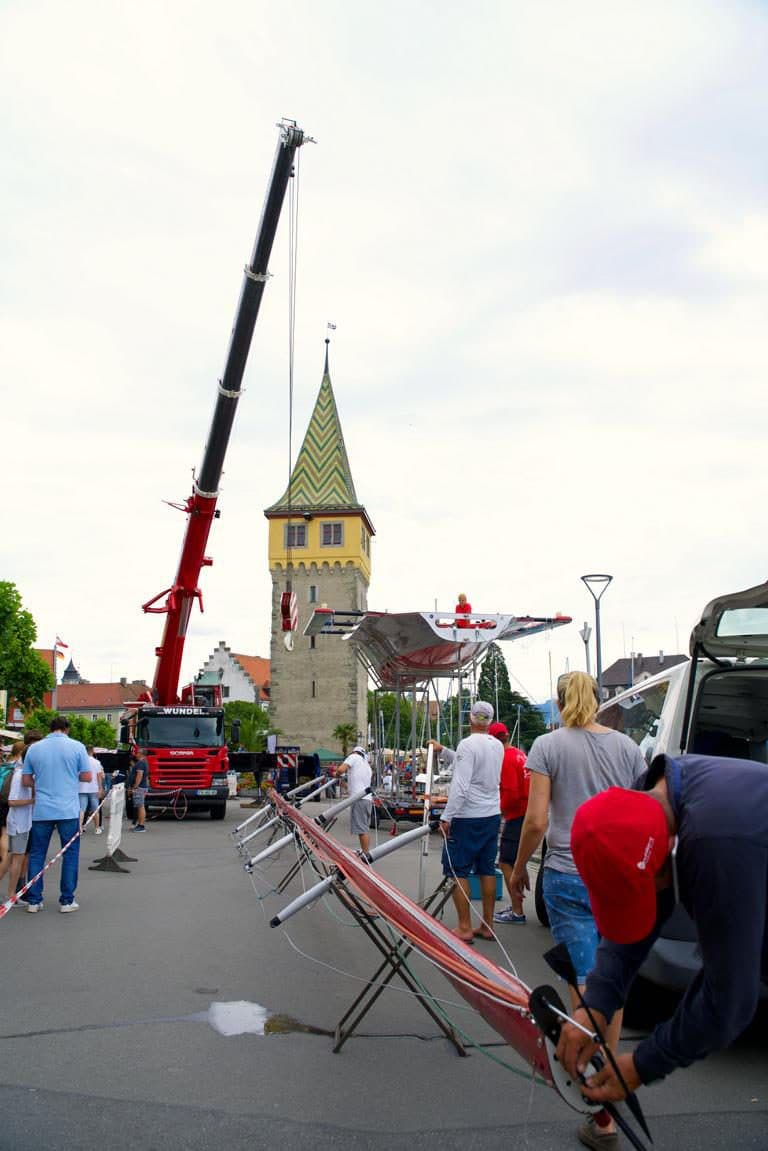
(293, 231)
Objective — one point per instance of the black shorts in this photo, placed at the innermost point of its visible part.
(510, 840)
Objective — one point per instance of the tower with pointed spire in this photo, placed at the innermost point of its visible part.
(319, 548)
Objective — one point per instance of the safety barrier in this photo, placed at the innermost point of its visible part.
(114, 857)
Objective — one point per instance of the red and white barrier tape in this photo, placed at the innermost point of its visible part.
(8, 905)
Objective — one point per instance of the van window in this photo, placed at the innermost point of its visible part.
(638, 716)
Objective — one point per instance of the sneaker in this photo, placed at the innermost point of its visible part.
(139, 827)
(33, 908)
(592, 1136)
(66, 907)
(508, 915)
(21, 902)
(99, 830)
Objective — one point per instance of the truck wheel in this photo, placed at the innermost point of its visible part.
(218, 810)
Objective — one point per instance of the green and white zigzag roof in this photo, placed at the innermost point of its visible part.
(321, 478)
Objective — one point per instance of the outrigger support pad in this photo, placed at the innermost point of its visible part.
(303, 900)
(333, 811)
(391, 845)
(273, 849)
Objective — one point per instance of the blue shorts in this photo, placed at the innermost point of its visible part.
(89, 801)
(570, 919)
(471, 847)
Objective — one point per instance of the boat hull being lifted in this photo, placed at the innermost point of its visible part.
(403, 649)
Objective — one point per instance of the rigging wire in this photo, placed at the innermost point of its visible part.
(293, 235)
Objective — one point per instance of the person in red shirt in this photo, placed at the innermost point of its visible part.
(463, 609)
(514, 801)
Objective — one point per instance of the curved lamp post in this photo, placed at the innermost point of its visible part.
(597, 585)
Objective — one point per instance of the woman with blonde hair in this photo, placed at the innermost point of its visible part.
(568, 766)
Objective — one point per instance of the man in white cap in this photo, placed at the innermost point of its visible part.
(471, 820)
(358, 772)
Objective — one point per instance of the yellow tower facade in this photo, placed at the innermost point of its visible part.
(319, 548)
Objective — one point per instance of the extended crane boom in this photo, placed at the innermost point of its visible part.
(201, 505)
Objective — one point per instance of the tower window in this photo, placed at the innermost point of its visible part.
(313, 593)
(312, 642)
(314, 689)
(295, 536)
(331, 535)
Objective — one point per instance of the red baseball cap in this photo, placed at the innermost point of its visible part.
(498, 729)
(620, 841)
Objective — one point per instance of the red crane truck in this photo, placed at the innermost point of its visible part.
(181, 733)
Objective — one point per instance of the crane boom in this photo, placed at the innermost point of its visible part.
(200, 507)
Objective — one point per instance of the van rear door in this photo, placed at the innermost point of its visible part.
(734, 626)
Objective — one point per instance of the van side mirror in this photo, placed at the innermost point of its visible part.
(125, 736)
(235, 735)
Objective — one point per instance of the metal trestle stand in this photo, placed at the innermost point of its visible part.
(394, 963)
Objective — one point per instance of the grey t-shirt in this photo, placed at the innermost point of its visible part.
(580, 764)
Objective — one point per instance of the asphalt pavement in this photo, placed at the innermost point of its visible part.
(112, 1037)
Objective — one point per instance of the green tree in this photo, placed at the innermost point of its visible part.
(38, 719)
(385, 703)
(254, 723)
(346, 733)
(23, 674)
(91, 732)
(494, 686)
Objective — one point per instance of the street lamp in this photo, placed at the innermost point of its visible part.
(597, 585)
(586, 634)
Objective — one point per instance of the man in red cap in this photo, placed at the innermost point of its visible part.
(698, 835)
(514, 784)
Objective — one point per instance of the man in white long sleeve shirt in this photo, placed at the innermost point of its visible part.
(471, 820)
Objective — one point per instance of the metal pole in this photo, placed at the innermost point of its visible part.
(586, 633)
(597, 584)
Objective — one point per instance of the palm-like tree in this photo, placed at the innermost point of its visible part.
(346, 733)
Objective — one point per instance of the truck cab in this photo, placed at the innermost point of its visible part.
(187, 755)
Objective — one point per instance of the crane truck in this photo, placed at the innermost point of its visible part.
(180, 733)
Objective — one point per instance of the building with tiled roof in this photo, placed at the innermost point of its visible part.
(98, 700)
(78, 697)
(629, 670)
(243, 677)
(319, 549)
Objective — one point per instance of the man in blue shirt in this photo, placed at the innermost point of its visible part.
(54, 767)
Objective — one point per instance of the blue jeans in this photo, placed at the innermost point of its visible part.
(39, 838)
(570, 919)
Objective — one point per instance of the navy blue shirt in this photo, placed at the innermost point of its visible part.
(721, 810)
(139, 774)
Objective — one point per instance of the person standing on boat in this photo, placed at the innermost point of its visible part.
(463, 611)
(358, 772)
(471, 819)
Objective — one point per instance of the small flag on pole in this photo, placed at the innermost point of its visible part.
(59, 643)
(332, 327)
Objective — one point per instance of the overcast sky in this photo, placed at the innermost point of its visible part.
(541, 229)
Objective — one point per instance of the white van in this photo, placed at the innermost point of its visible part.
(716, 703)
